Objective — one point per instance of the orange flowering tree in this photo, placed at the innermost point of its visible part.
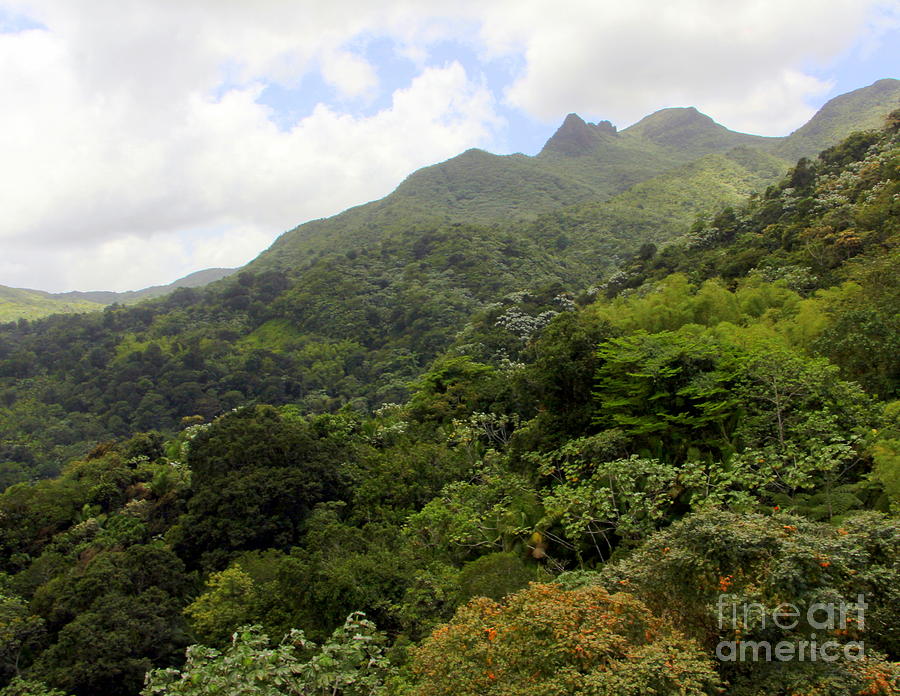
(548, 641)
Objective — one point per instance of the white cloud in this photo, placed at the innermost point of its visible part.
(115, 144)
(350, 74)
(145, 205)
(742, 63)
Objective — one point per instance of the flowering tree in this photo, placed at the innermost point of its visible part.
(546, 640)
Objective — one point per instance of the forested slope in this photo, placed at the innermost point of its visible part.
(350, 309)
(580, 163)
(572, 485)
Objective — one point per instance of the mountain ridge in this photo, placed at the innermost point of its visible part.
(477, 186)
(191, 280)
(868, 103)
(581, 164)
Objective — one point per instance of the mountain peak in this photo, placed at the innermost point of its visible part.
(690, 132)
(576, 137)
(672, 125)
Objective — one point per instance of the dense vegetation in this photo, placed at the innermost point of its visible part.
(524, 492)
(350, 309)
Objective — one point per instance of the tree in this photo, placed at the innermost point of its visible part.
(561, 373)
(545, 640)
(624, 498)
(27, 687)
(230, 600)
(351, 663)
(115, 616)
(496, 512)
(256, 474)
(20, 632)
(453, 388)
(670, 391)
(495, 576)
(763, 562)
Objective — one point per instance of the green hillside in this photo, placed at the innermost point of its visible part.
(861, 109)
(443, 465)
(658, 209)
(18, 303)
(352, 308)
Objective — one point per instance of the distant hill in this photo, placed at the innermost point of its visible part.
(21, 303)
(192, 280)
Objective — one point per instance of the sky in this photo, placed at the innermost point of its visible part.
(141, 140)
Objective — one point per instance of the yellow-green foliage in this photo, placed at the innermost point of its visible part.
(886, 455)
(675, 302)
(131, 344)
(275, 334)
(229, 601)
(16, 303)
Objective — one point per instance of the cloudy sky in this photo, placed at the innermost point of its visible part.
(141, 140)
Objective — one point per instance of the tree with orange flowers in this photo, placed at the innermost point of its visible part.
(546, 640)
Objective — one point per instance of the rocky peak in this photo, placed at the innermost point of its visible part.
(576, 137)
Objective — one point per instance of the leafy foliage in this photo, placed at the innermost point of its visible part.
(714, 418)
(351, 663)
(685, 572)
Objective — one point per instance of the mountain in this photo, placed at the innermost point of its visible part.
(352, 309)
(662, 207)
(192, 280)
(575, 137)
(451, 445)
(861, 109)
(687, 133)
(581, 163)
(583, 170)
(21, 303)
